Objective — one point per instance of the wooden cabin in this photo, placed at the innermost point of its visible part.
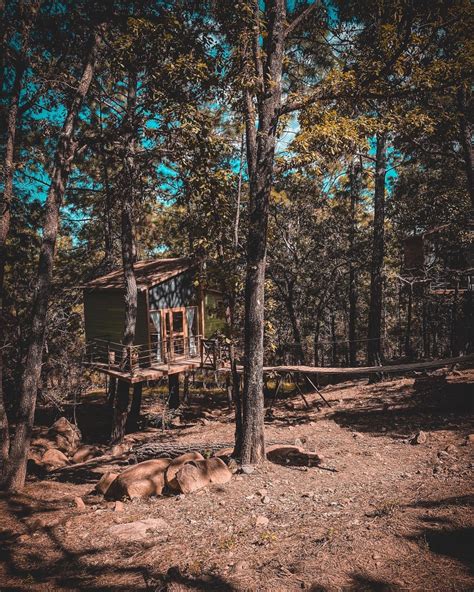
(441, 260)
(176, 314)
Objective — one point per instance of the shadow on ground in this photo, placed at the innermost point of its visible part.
(391, 411)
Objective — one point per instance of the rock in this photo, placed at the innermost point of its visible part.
(175, 465)
(43, 443)
(451, 449)
(261, 521)
(265, 499)
(119, 449)
(469, 439)
(248, 469)
(105, 481)
(79, 503)
(138, 530)
(66, 435)
(357, 435)
(119, 506)
(292, 455)
(419, 438)
(240, 566)
(84, 453)
(142, 480)
(262, 492)
(443, 454)
(54, 459)
(376, 556)
(197, 474)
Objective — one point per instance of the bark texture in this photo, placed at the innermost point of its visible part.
(354, 175)
(374, 345)
(266, 101)
(15, 472)
(29, 14)
(122, 400)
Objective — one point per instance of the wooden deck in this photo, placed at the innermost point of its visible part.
(154, 372)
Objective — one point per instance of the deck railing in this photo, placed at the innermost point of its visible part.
(112, 356)
(109, 355)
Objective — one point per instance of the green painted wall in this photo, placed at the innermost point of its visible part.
(104, 316)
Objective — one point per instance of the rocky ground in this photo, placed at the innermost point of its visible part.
(390, 507)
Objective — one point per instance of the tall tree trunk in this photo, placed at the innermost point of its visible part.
(15, 470)
(374, 345)
(408, 348)
(333, 339)
(354, 175)
(454, 342)
(295, 327)
(29, 15)
(122, 399)
(317, 331)
(260, 159)
(466, 139)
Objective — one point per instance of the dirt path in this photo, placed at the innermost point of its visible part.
(395, 516)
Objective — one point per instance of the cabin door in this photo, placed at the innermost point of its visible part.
(175, 332)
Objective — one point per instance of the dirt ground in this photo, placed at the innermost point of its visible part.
(390, 515)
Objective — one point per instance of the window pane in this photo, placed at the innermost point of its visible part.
(177, 322)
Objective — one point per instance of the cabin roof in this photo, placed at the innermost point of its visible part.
(148, 273)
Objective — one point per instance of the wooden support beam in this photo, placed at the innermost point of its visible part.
(173, 385)
(311, 383)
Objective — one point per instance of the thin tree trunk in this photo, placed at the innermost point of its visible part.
(15, 472)
(466, 140)
(454, 321)
(425, 325)
(353, 272)
(408, 349)
(136, 402)
(122, 400)
(173, 388)
(295, 327)
(374, 345)
(260, 159)
(333, 339)
(316, 342)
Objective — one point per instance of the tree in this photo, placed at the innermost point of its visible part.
(15, 468)
(27, 16)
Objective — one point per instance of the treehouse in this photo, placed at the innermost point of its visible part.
(442, 260)
(177, 315)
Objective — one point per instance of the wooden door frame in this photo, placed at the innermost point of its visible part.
(183, 334)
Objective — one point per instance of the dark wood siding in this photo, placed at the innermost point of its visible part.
(176, 292)
(104, 316)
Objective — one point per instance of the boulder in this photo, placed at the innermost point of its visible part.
(419, 438)
(43, 443)
(119, 449)
(142, 480)
(54, 459)
(85, 452)
(105, 481)
(292, 455)
(196, 474)
(175, 465)
(79, 503)
(66, 435)
(139, 529)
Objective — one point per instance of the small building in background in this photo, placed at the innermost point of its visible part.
(176, 312)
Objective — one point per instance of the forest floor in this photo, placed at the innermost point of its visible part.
(395, 516)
